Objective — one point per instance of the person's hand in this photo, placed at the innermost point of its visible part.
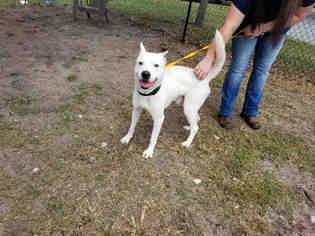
(203, 67)
(251, 32)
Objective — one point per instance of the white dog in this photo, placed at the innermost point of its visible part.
(156, 87)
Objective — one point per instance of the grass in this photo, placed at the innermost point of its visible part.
(286, 147)
(231, 181)
(17, 2)
(72, 77)
(19, 105)
(174, 13)
(83, 188)
(293, 53)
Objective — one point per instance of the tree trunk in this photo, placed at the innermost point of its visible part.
(201, 12)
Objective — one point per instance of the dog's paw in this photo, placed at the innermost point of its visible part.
(186, 144)
(148, 153)
(126, 139)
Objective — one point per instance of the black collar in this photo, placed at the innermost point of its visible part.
(152, 93)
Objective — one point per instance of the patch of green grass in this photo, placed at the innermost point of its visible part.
(86, 89)
(20, 105)
(279, 147)
(33, 191)
(63, 108)
(140, 231)
(103, 233)
(299, 54)
(262, 191)
(7, 125)
(68, 116)
(158, 11)
(8, 2)
(72, 77)
(238, 175)
(56, 205)
(33, 2)
(120, 177)
(183, 221)
(60, 164)
(11, 136)
(100, 179)
(294, 53)
(35, 140)
(241, 161)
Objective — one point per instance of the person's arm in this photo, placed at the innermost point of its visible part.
(301, 13)
(296, 18)
(233, 20)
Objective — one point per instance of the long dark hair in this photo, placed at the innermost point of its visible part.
(287, 10)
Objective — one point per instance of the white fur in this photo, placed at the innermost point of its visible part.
(175, 81)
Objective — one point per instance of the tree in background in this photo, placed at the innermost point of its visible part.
(203, 9)
(201, 12)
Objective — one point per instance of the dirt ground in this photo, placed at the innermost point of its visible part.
(65, 91)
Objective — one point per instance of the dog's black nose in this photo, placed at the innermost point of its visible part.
(145, 76)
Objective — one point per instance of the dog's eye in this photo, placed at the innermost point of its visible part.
(140, 63)
(156, 65)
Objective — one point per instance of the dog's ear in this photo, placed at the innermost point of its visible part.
(164, 53)
(142, 49)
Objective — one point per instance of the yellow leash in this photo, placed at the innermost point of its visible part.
(194, 53)
(187, 56)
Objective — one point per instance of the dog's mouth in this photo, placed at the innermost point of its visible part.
(146, 85)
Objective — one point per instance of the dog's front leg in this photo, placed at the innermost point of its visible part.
(157, 125)
(136, 112)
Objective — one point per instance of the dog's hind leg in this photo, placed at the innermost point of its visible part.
(136, 112)
(192, 117)
(192, 104)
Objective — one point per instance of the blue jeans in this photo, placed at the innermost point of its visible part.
(242, 49)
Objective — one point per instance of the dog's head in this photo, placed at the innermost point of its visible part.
(149, 69)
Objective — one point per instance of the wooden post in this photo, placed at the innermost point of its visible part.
(106, 12)
(201, 12)
(101, 11)
(75, 9)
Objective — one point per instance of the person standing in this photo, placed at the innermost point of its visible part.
(263, 26)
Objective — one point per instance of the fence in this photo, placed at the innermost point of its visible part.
(305, 30)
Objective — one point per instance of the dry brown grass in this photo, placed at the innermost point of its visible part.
(87, 183)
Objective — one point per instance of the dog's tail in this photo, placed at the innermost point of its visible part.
(220, 57)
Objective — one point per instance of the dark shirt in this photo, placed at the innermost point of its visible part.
(261, 11)
(244, 5)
